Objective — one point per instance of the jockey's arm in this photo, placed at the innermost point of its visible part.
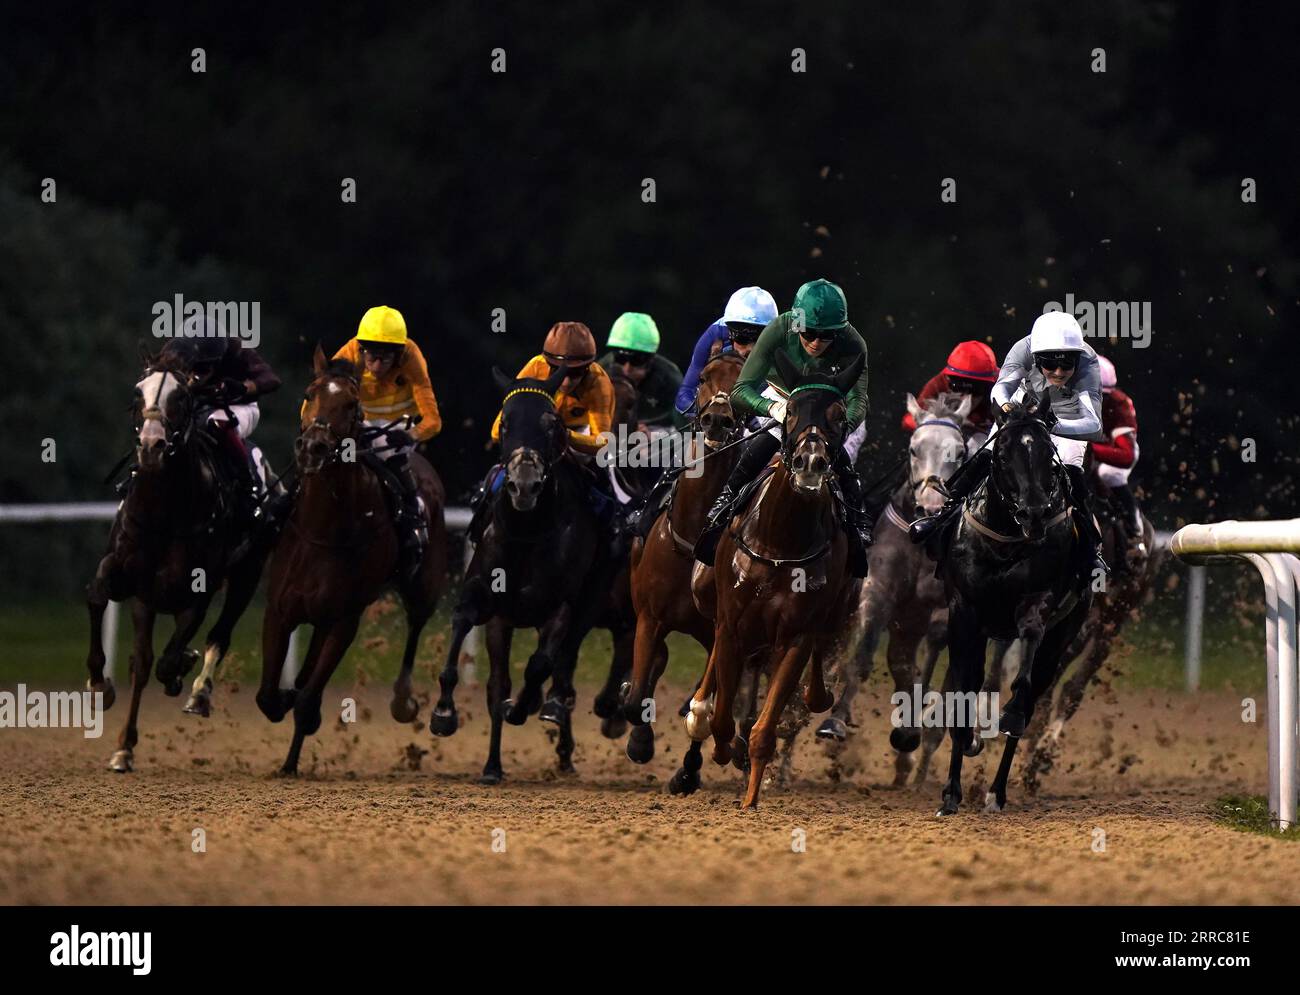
(255, 372)
(598, 397)
(857, 403)
(1120, 452)
(417, 375)
(1018, 365)
(700, 357)
(747, 395)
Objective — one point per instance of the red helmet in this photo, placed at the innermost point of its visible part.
(974, 361)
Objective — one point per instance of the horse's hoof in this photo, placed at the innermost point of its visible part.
(975, 747)
(199, 704)
(121, 762)
(444, 722)
(491, 776)
(172, 685)
(553, 711)
(566, 768)
(1012, 723)
(740, 754)
(614, 726)
(287, 771)
(904, 740)
(991, 803)
(404, 709)
(512, 713)
(641, 745)
(684, 782)
(833, 729)
(108, 691)
(605, 705)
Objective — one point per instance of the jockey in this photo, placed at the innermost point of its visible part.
(228, 378)
(1052, 355)
(1115, 458)
(824, 343)
(584, 402)
(972, 369)
(395, 383)
(634, 349)
(746, 315)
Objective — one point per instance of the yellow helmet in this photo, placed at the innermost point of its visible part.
(383, 324)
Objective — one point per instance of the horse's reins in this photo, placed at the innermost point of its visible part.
(996, 536)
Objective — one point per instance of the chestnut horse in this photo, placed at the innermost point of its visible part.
(337, 553)
(170, 548)
(661, 565)
(780, 583)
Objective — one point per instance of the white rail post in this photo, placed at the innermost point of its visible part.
(1270, 546)
(1192, 626)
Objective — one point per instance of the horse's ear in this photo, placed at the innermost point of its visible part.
(848, 377)
(552, 383)
(786, 368)
(914, 409)
(503, 382)
(146, 357)
(318, 361)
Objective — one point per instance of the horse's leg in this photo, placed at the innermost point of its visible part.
(640, 697)
(747, 706)
(404, 707)
(444, 721)
(142, 618)
(901, 657)
(966, 648)
(609, 698)
(326, 653)
(540, 666)
(97, 598)
(785, 678)
(240, 587)
(497, 636)
(725, 664)
(856, 667)
(932, 734)
(273, 700)
(177, 658)
(562, 697)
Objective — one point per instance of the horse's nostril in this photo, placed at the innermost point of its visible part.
(706, 421)
(799, 463)
(820, 465)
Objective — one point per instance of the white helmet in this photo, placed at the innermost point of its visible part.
(1107, 372)
(1056, 331)
(750, 306)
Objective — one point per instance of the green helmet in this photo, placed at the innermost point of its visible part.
(823, 305)
(635, 331)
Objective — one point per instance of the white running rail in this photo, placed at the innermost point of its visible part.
(1271, 547)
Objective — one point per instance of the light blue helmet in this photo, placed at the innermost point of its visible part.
(750, 306)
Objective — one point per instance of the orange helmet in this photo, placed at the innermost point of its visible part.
(974, 361)
(569, 343)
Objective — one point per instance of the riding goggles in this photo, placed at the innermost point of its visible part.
(630, 358)
(1056, 360)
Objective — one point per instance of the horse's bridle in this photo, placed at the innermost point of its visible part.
(175, 436)
(997, 467)
(335, 439)
(933, 480)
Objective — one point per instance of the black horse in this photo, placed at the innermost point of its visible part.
(1013, 571)
(544, 562)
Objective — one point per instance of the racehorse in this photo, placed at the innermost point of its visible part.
(1011, 572)
(661, 565)
(779, 588)
(170, 547)
(901, 595)
(338, 552)
(543, 562)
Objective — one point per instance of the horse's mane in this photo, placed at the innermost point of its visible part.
(342, 368)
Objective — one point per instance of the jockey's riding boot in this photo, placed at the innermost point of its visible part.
(413, 525)
(641, 521)
(968, 476)
(856, 524)
(1089, 534)
(754, 456)
(480, 504)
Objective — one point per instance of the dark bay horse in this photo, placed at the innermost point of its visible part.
(336, 555)
(780, 588)
(170, 548)
(1011, 573)
(661, 565)
(543, 562)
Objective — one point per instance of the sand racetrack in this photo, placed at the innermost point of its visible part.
(371, 820)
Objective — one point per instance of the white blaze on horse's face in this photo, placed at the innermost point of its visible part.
(937, 449)
(156, 390)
